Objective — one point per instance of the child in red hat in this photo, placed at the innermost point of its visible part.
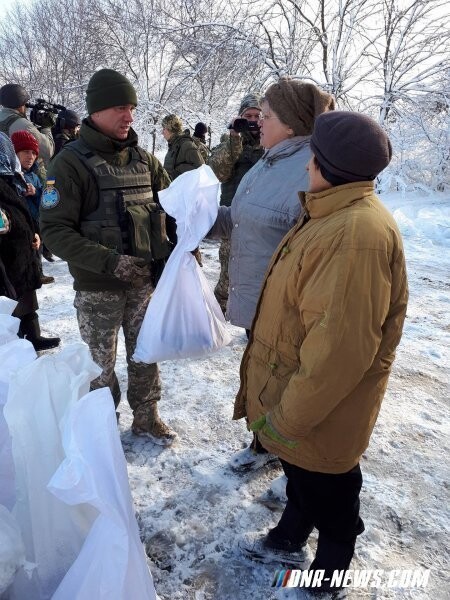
(27, 149)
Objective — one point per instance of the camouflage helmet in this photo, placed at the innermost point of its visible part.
(251, 100)
(173, 124)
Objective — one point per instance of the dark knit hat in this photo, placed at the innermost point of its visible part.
(70, 118)
(13, 95)
(251, 100)
(108, 88)
(298, 103)
(24, 140)
(200, 130)
(350, 145)
(173, 124)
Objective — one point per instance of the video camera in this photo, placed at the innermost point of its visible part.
(241, 125)
(43, 113)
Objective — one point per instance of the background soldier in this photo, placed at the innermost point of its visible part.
(13, 117)
(67, 128)
(230, 160)
(183, 154)
(199, 138)
(103, 192)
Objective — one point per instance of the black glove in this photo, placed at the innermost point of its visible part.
(131, 269)
(47, 120)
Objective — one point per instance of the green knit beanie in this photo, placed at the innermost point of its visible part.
(108, 88)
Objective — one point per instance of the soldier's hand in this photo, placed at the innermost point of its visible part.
(234, 133)
(132, 270)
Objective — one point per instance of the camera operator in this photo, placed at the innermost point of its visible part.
(13, 117)
(230, 160)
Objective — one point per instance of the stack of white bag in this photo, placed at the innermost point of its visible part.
(73, 508)
(183, 319)
(13, 353)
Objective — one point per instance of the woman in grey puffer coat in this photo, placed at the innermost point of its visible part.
(266, 204)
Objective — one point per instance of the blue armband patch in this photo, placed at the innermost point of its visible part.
(50, 196)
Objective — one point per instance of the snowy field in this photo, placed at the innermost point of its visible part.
(191, 508)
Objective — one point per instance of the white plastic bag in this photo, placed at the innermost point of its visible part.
(12, 551)
(14, 353)
(39, 395)
(184, 319)
(112, 563)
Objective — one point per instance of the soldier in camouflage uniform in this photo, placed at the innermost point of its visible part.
(100, 212)
(199, 138)
(230, 160)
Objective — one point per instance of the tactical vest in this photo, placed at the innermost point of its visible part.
(249, 157)
(127, 218)
(6, 123)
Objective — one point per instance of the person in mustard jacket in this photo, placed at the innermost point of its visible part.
(322, 344)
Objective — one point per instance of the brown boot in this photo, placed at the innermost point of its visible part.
(149, 424)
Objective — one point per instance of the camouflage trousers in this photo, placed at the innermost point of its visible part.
(221, 289)
(100, 316)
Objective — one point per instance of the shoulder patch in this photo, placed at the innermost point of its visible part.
(50, 196)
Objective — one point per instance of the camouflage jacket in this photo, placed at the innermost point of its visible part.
(202, 148)
(231, 160)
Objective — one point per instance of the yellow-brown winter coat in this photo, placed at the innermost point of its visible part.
(329, 319)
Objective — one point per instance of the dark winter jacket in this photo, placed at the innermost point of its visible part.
(182, 156)
(90, 263)
(19, 263)
(61, 139)
(33, 202)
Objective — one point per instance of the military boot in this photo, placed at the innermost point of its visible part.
(148, 423)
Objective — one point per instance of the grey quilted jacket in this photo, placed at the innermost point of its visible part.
(266, 205)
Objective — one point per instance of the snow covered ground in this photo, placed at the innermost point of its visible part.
(191, 507)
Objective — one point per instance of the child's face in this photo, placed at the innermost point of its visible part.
(27, 158)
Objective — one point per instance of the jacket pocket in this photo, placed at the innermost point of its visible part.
(110, 237)
(139, 232)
